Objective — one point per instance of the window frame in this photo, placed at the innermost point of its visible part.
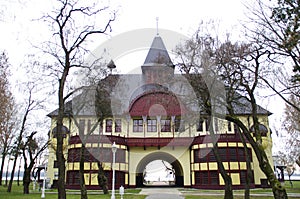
(108, 125)
(118, 125)
(151, 127)
(165, 125)
(137, 125)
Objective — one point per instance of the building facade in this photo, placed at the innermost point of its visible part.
(154, 116)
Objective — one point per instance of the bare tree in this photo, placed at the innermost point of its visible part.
(31, 148)
(195, 60)
(30, 105)
(275, 26)
(277, 29)
(73, 24)
(247, 72)
(240, 67)
(292, 125)
(6, 111)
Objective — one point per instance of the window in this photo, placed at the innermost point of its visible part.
(214, 177)
(108, 125)
(201, 155)
(73, 177)
(165, 125)
(118, 125)
(120, 156)
(151, 125)
(74, 155)
(179, 125)
(137, 125)
(232, 154)
(227, 154)
(212, 157)
(101, 128)
(200, 126)
(207, 124)
(242, 155)
(56, 175)
(81, 127)
(223, 154)
(236, 129)
(229, 126)
(244, 176)
(89, 126)
(207, 177)
(64, 131)
(104, 155)
(55, 164)
(216, 123)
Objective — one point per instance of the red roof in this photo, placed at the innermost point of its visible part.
(157, 104)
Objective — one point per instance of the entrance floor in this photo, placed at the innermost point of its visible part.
(159, 193)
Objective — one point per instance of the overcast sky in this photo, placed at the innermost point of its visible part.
(19, 30)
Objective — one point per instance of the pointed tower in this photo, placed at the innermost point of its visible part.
(157, 65)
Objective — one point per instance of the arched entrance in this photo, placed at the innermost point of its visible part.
(159, 156)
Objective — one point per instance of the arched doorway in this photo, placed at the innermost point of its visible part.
(175, 165)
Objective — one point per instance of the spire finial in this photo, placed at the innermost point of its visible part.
(157, 25)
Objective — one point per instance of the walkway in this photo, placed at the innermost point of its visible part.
(159, 193)
(174, 193)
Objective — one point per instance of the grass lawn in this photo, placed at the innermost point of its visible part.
(17, 193)
(238, 194)
(218, 197)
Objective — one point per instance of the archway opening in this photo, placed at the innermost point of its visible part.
(159, 169)
(159, 173)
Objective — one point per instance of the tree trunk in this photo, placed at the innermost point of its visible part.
(298, 161)
(12, 173)
(18, 180)
(81, 173)
(2, 167)
(59, 137)
(248, 166)
(26, 176)
(227, 179)
(26, 181)
(61, 164)
(102, 179)
(279, 191)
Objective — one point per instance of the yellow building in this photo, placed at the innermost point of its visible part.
(154, 116)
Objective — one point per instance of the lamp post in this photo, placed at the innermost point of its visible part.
(19, 171)
(45, 175)
(114, 150)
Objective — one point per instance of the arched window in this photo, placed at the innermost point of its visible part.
(262, 129)
(64, 131)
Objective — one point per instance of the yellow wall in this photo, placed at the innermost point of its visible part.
(136, 154)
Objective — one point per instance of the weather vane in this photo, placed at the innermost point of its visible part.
(157, 25)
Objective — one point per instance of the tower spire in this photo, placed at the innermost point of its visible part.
(157, 25)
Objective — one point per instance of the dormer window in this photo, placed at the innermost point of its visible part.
(262, 129)
(64, 131)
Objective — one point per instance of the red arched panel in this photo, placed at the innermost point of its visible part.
(155, 104)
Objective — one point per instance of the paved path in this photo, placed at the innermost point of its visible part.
(159, 193)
